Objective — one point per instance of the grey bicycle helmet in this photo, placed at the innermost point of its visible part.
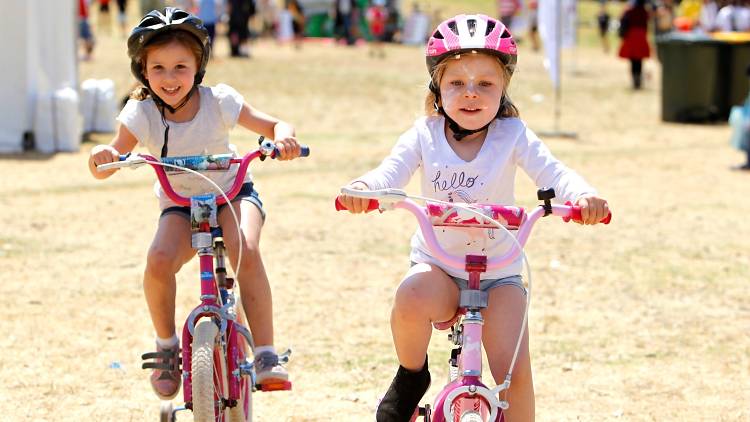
(156, 22)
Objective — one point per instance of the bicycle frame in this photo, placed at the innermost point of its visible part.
(467, 391)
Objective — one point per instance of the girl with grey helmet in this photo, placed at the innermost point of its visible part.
(173, 114)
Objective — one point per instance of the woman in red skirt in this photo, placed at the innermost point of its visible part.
(634, 32)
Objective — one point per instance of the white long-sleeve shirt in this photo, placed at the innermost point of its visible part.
(488, 178)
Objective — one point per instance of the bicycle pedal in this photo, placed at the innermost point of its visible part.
(275, 386)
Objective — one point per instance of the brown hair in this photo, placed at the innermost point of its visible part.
(185, 38)
(507, 108)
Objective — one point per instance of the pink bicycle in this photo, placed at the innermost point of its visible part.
(218, 378)
(466, 398)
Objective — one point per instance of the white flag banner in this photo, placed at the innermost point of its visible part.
(548, 32)
(569, 22)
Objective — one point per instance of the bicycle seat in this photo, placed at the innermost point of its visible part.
(444, 325)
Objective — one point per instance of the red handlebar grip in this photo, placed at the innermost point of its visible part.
(372, 205)
(575, 215)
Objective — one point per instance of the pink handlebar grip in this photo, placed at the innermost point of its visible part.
(372, 205)
(575, 215)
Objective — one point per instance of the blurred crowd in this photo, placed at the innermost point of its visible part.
(701, 15)
(347, 22)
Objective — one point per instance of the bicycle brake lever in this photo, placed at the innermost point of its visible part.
(131, 161)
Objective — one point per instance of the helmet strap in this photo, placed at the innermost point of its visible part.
(162, 105)
(181, 104)
(459, 132)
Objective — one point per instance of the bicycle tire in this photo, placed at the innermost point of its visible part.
(474, 404)
(207, 384)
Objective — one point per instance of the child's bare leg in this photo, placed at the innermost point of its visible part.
(425, 295)
(255, 291)
(502, 323)
(169, 250)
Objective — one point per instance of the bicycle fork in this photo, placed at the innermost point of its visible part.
(466, 398)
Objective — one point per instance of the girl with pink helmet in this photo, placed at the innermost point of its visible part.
(467, 149)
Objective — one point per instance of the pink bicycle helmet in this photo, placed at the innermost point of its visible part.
(478, 33)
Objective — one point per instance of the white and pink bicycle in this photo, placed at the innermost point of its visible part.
(465, 398)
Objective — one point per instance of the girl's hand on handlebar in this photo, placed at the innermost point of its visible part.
(593, 209)
(288, 147)
(104, 154)
(353, 204)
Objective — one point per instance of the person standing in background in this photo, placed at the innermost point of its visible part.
(209, 11)
(149, 5)
(508, 9)
(534, 24)
(122, 19)
(664, 17)
(635, 46)
(104, 18)
(707, 18)
(297, 12)
(240, 12)
(602, 21)
(376, 16)
(84, 30)
(393, 23)
(343, 20)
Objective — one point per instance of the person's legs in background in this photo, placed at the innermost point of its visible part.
(636, 69)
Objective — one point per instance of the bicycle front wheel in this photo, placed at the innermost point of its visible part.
(208, 373)
(471, 409)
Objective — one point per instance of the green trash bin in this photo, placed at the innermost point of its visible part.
(739, 62)
(693, 78)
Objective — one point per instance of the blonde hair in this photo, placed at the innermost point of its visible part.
(184, 38)
(507, 108)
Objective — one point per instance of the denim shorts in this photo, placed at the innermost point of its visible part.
(246, 193)
(490, 283)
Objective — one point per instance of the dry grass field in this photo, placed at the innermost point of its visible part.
(646, 319)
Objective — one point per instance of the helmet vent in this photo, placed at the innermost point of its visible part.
(505, 34)
(490, 27)
(472, 24)
(438, 35)
(453, 27)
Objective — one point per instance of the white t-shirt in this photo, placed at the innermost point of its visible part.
(206, 133)
(488, 178)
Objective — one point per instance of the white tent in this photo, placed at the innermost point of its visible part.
(39, 94)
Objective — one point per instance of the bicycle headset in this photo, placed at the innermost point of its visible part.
(463, 34)
(154, 23)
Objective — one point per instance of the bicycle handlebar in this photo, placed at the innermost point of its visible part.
(199, 163)
(426, 218)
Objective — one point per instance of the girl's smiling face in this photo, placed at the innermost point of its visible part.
(170, 70)
(471, 89)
